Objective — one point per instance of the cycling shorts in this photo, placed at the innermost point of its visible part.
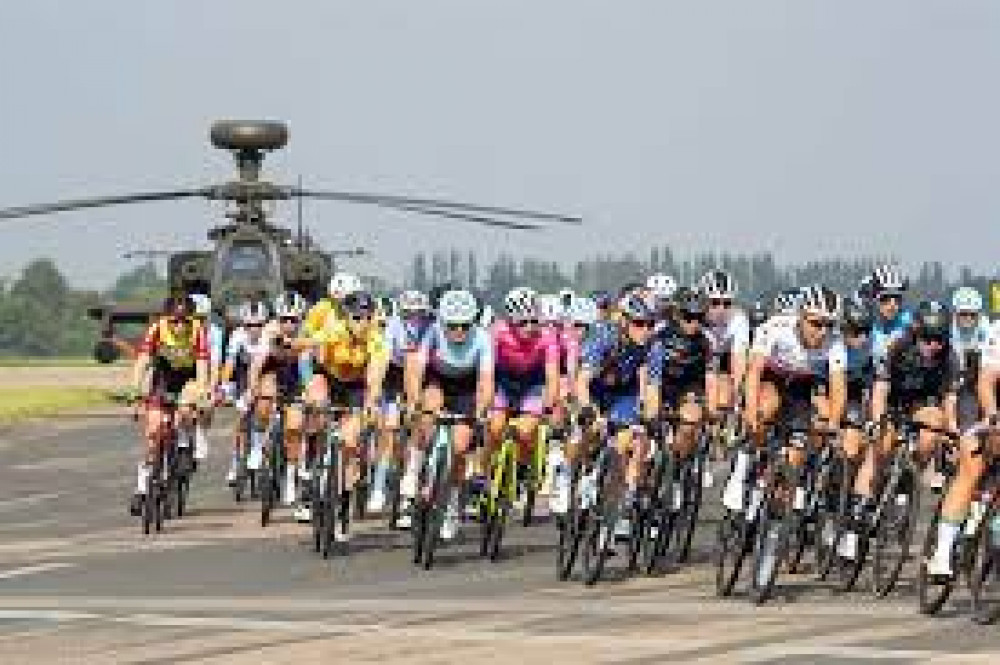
(459, 391)
(523, 394)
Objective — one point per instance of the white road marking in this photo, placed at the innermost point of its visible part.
(21, 501)
(34, 570)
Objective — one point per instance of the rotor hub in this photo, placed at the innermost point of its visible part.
(249, 135)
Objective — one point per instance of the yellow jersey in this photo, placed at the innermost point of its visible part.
(346, 355)
(316, 317)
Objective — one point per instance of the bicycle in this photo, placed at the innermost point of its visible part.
(602, 502)
(327, 480)
(162, 477)
(272, 471)
(434, 486)
(984, 571)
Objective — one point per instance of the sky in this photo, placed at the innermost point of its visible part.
(803, 127)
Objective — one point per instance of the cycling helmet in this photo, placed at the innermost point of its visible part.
(289, 305)
(932, 319)
(583, 311)
(857, 316)
(662, 286)
(866, 289)
(819, 300)
(634, 306)
(359, 303)
(179, 306)
(966, 300)
(717, 284)
(202, 304)
(690, 303)
(413, 302)
(457, 307)
(521, 303)
(550, 309)
(787, 302)
(887, 279)
(566, 297)
(758, 314)
(255, 312)
(343, 284)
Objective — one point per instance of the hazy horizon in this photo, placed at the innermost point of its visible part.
(809, 129)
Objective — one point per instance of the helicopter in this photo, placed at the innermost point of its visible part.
(253, 258)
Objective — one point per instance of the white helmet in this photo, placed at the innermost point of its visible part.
(566, 297)
(289, 305)
(717, 284)
(550, 309)
(583, 311)
(888, 279)
(521, 303)
(787, 302)
(457, 307)
(819, 300)
(255, 312)
(662, 286)
(202, 304)
(343, 284)
(413, 301)
(966, 300)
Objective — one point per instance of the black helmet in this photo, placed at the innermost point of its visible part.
(359, 303)
(758, 314)
(932, 319)
(690, 303)
(857, 315)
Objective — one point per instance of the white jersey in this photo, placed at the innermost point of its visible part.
(969, 340)
(990, 351)
(779, 342)
(240, 343)
(731, 335)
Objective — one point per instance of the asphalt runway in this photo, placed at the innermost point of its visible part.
(79, 583)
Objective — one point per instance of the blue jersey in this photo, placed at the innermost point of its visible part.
(457, 360)
(403, 336)
(885, 333)
(616, 362)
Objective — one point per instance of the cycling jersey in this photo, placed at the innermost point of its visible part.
(456, 360)
(346, 355)
(989, 357)
(860, 370)
(913, 377)
(779, 342)
(317, 316)
(177, 351)
(968, 344)
(520, 362)
(615, 363)
(885, 333)
(686, 361)
(728, 335)
(402, 336)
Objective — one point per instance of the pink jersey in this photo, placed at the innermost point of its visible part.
(523, 354)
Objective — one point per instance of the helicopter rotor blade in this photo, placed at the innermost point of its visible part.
(417, 208)
(358, 197)
(99, 202)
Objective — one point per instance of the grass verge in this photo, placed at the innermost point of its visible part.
(33, 401)
(53, 361)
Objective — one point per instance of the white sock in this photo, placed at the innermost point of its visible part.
(142, 479)
(184, 438)
(947, 533)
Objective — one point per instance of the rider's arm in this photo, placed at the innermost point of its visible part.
(415, 367)
(651, 382)
(553, 355)
(378, 363)
(987, 390)
(142, 362)
(880, 391)
(740, 347)
(838, 384)
(591, 356)
(485, 385)
(754, 370)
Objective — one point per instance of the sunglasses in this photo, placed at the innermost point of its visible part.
(890, 297)
(253, 325)
(855, 332)
(580, 326)
(357, 318)
(289, 319)
(641, 323)
(459, 327)
(818, 324)
(179, 320)
(932, 339)
(722, 302)
(523, 323)
(692, 318)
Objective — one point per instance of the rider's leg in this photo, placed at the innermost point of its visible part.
(957, 500)
(691, 415)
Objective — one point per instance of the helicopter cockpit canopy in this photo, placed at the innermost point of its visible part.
(247, 266)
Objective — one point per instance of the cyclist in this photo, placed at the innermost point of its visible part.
(403, 334)
(979, 446)
(688, 353)
(352, 357)
(620, 374)
(916, 375)
(279, 369)
(526, 371)
(172, 361)
(451, 371)
(245, 342)
(342, 284)
(969, 332)
(792, 356)
(888, 286)
(729, 332)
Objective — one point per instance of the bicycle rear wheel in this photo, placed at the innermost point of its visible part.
(435, 512)
(331, 502)
(771, 550)
(570, 530)
(600, 532)
(690, 506)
